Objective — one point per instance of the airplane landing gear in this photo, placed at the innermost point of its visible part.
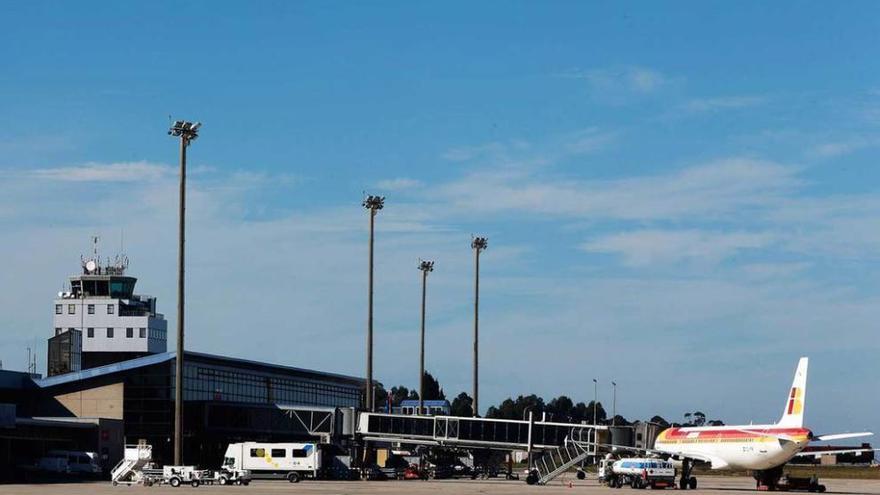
(687, 481)
(768, 479)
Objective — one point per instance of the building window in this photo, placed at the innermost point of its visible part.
(71, 309)
(142, 333)
(258, 452)
(91, 309)
(109, 309)
(279, 453)
(58, 310)
(57, 330)
(129, 333)
(110, 333)
(90, 333)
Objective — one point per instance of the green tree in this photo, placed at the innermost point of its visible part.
(462, 405)
(433, 390)
(561, 408)
(660, 421)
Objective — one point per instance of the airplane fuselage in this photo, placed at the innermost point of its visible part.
(753, 447)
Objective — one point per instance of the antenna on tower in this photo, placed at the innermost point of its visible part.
(95, 239)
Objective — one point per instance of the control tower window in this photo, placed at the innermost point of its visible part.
(121, 289)
(71, 309)
(91, 308)
(109, 309)
(58, 310)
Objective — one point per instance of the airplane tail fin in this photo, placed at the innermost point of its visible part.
(793, 414)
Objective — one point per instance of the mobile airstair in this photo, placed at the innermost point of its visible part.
(556, 462)
(129, 471)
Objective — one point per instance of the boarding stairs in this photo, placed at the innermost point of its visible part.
(557, 461)
(129, 470)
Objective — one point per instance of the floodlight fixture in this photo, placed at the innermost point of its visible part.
(374, 203)
(188, 131)
(426, 266)
(480, 243)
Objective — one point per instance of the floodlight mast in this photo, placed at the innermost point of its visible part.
(613, 404)
(425, 267)
(373, 204)
(478, 244)
(187, 132)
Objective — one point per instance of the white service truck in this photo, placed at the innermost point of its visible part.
(637, 473)
(291, 461)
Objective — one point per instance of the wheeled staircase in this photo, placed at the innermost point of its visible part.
(129, 469)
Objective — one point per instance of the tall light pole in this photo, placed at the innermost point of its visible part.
(595, 398)
(595, 407)
(478, 244)
(187, 132)
(613, 404)
(373, 204)
(425, 267)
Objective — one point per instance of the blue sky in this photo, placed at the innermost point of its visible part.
(679, 197)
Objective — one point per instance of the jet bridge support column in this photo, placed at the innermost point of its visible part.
(530, 475)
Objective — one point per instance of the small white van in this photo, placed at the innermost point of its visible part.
(70, 461)
(292, 461)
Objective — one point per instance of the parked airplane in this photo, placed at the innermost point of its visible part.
(763, 449)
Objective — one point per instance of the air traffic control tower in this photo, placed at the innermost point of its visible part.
(100, 320)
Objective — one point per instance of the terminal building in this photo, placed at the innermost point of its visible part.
(110, 381)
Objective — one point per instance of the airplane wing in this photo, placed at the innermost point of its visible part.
(840, 436)
(714, 462)
(818, 453)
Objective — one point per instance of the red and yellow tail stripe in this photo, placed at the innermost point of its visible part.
(692, 436)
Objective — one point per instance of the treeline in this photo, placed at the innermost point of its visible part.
(561, 409)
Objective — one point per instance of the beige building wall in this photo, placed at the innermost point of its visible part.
(99, 402)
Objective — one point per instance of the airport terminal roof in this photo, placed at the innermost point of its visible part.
(152, 359)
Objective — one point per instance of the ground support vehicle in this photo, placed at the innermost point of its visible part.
(789, 483)
(189, 475)
(183, 475)
(232, 476)
(639, 473)
(291, 461)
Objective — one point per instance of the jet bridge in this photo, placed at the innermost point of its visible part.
(503, 434)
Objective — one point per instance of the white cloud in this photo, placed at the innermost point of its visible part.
(399, 184)
(699, 105)
(636, 79)
(844, 147)
(586, 141)
(720, 187)
(105, 172)
(648, 247)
